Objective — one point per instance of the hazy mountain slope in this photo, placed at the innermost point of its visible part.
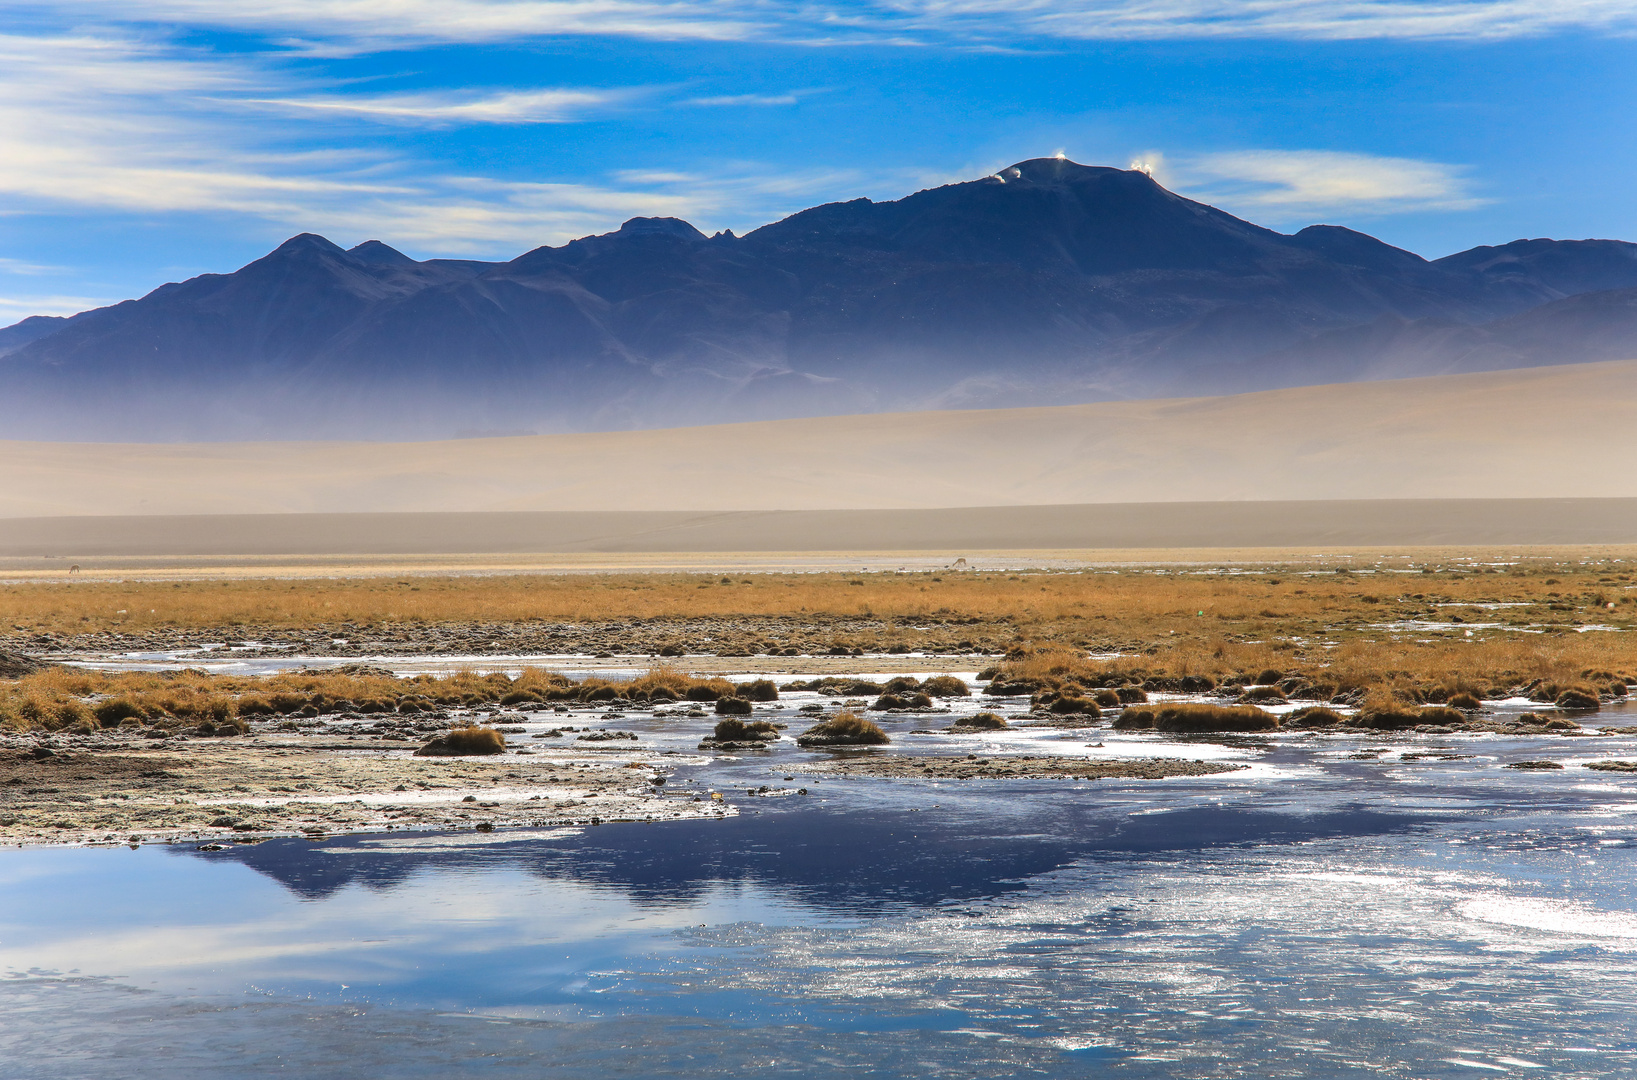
(1549, 269)
(33, 328)
(1577, 329)
(1049, 282)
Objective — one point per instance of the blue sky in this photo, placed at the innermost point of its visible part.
(143, 142)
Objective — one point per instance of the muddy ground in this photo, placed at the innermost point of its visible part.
(101, 788)
(740, 636)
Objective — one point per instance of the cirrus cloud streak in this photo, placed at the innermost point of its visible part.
(361, 25)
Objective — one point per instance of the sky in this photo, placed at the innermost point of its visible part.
(146, 141)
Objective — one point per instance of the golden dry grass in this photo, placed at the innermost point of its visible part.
(850, 728)
(1092, 601)
(62, 698)
(1408, 668)
(1333, 629)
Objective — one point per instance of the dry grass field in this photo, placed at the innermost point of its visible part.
(1416, 635)
(1126, 603)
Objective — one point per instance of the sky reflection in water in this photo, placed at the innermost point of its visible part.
(1455, 922)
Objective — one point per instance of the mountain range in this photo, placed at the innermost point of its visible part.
(1049, 282)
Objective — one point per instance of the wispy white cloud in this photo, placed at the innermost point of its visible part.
(743, 99)
(365, 24)
(324, 25)
(130, 124)
(551, 106)
(1289, 19)
(20, 306)
(28, 269)
(125, 124)
(1307, 182)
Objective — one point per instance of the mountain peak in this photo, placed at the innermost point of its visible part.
(1053, 171)
(1352, 248)
(307, 242)
(665, 226)
(373, 251)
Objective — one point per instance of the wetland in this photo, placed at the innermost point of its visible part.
(230, 857)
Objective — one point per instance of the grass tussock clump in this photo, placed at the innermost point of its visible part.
(668, 683)
(732, 706)
(1582, 698)
(1197, 717)
(758, 690)
(1314, 716)
(945, 686)
(1074, 705)
(843, 729)
(837, 686)
(38, 712)
(983, 721)
(734, 730)
(913, 699)
(464, 742)
(1385, 712)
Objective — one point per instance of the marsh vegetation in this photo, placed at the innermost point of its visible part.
(1079, 643)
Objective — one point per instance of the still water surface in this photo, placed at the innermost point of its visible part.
(1318, 916)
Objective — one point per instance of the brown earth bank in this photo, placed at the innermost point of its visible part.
(734, 637)
(999, 767)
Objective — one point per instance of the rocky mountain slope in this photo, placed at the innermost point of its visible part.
(1047, 283)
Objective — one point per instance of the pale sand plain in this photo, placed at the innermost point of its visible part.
(1543, 433)
(1530, 458)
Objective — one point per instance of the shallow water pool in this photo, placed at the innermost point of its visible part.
(1325, 916)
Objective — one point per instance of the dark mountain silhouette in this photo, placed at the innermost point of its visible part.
(1050, 282)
